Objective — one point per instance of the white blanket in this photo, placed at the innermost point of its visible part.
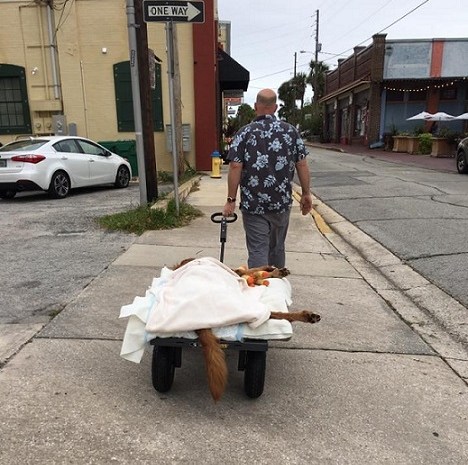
(204, 293)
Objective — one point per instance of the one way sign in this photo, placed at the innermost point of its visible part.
(177, 11)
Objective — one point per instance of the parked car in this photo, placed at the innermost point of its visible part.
(56, 164)
(462, 156)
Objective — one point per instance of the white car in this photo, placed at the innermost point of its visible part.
(57, 164)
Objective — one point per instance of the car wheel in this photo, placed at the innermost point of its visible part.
(122, 178)
(7, 194)
(462, 165)
(59, 185)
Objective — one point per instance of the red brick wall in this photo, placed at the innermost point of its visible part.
(205, 84)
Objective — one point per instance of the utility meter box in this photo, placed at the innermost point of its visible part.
(59, 125)
(186, 138)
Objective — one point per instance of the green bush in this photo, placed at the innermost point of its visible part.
(425, 143)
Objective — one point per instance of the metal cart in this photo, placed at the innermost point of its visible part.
(167, 352)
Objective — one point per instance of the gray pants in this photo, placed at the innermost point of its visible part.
(265, 236)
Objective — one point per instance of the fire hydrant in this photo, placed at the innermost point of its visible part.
(216, 163)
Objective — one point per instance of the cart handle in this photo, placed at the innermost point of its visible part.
(218, 217)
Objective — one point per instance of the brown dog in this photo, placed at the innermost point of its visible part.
(215, 361)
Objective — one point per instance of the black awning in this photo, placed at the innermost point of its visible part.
(232, 75)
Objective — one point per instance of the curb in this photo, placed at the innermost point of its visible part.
(435, 316)
(183, 191)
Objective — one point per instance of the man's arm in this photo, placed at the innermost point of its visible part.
(303, 173)
(234, 176)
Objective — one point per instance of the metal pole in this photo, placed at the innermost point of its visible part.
(132, 42)
(170, 73)
(317, 37)
(315, 99)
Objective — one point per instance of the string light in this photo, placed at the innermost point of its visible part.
(429, 86)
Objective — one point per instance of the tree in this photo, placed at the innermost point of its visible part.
(316, 78)
(299, 83)
(245, 114)
(289, 92)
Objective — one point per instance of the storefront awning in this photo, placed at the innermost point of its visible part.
(232, 75)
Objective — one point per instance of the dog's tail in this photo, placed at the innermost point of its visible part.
(215, 362)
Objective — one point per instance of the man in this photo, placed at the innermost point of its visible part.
(262, 160)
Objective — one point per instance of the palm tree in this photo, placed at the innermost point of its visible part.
(287, 93)
(316, 78)
(299, 82)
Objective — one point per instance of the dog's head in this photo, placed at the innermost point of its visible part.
(182, 263)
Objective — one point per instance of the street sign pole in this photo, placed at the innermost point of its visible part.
(132, 42)
(170, 74)
(171, 11)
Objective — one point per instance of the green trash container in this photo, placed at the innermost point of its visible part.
(124, 148)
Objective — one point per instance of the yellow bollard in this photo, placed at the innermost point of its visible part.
(216, 163)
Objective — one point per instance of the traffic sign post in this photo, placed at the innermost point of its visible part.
(170, 12)
(175, 11)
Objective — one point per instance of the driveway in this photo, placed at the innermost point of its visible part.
(52, 249)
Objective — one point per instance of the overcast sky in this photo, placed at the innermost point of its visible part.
(265, 34)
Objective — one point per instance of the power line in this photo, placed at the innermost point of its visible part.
(348, 50)
(384, 29)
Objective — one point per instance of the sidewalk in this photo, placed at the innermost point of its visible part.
(376, 381)
(423, 161)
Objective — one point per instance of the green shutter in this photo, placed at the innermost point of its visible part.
(124, 101)
(14, 114)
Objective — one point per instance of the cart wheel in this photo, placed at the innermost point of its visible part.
(163, 368)
(254, 376)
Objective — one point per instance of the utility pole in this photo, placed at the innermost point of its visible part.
(317, 49)
(317, 45)
(295, 63)
(171, 77)
(146, 104)
(132, 43)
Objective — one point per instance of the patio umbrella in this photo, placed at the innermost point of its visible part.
(424, 115)
(440, 116)
(463, 116)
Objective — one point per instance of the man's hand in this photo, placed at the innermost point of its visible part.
(229, 208)
(306, 203)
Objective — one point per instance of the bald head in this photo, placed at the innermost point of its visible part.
(266, 102)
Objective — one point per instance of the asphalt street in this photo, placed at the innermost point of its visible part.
(419, 214)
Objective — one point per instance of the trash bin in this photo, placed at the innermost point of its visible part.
(124, 148)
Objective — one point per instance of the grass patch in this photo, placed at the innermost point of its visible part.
(145, 218)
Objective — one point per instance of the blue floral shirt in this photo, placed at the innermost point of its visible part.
(268, 149)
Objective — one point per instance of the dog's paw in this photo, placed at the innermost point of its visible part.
(313, 317)
(279, 273)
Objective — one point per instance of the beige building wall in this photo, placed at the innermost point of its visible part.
(91, 37)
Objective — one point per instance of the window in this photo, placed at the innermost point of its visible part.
(417, 95)
(124, 101)
(449, 93)
(67, 145)
(14, 108)
(395, 95)
(91, 149)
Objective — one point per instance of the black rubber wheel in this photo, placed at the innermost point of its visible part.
(59, 185)
(163, 368)
(122, 179)
(7, 194)
(254, 374)
(462, 165)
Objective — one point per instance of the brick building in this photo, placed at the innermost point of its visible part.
(374, 91)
